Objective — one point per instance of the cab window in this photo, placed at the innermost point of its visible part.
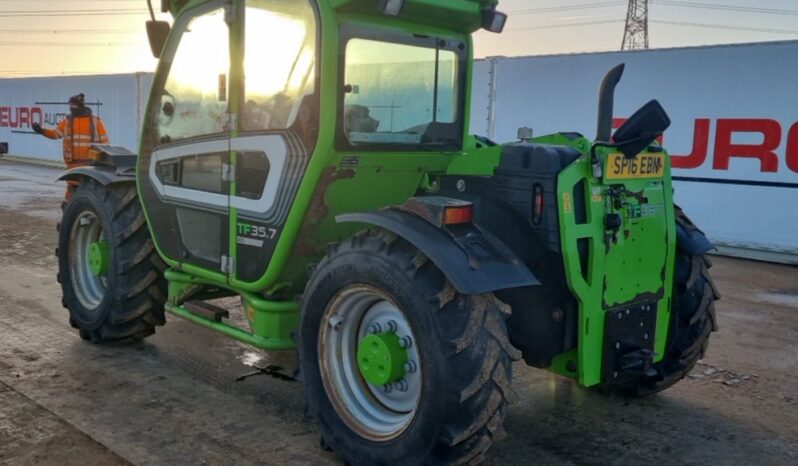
(190, 104)
(278, 73)
(402, 94)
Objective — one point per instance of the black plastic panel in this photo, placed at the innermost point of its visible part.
(629, 342)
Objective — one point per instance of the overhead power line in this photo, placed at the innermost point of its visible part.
(65, 44)
(726, 26)
(566, 25)
(45, 72)
(725, 7)
(67, 31)
(554, 9)
(91, 12)
(82, 1)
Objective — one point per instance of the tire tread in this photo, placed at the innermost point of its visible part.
(136, 305)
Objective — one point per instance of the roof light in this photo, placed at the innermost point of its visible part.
(493, 20)
(391, 7)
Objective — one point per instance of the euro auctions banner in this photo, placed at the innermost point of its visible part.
(733, 141)
(118, 99)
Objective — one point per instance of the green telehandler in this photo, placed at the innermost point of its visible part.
(312, 157)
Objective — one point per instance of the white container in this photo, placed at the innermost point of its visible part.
(119, 100)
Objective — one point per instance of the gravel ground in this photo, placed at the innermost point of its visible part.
(174, 398)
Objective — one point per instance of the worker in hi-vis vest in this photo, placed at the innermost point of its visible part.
(79, 130)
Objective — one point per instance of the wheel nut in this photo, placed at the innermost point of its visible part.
(387, 388)
(335, 322)
(405, 342)
(392, 326)
(410, 367)
(375, 328)
(402, 385)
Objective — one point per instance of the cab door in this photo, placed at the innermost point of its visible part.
(185, 168)
(277, 100)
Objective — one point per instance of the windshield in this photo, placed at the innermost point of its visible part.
(400, 94)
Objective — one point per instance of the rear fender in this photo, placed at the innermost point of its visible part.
(474, 260)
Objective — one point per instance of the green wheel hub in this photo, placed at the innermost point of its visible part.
(98, 258)
(381, 358)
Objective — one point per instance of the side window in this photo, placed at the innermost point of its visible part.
(169, 172)
(190, 104)
(252, 169)
(400, 94)
(278, 73)
(201, 172)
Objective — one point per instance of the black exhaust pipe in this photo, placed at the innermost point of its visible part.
(606, 101)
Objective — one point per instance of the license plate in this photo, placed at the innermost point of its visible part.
(619, 167)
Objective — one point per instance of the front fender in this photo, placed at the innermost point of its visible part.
(103, 174)
(474, 261)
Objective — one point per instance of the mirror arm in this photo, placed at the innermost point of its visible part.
(594, 161)
(152, 13)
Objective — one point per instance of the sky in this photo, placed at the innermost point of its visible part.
(73, 37)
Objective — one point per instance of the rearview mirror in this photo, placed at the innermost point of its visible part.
(641, 129)
(157, 32)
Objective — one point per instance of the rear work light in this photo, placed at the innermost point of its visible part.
(391, 7)
(493, 20)
(458, 215)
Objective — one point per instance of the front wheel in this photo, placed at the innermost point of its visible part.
(110, 274)
(398, 367)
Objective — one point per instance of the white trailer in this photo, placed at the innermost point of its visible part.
(118, 99)
(734, 137)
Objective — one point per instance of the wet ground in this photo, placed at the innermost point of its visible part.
(174, 399)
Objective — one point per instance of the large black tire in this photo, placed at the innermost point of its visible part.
(465, 355)
(129, 304)
(692, 322)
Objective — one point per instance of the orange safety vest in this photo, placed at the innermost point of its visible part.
(78, 133)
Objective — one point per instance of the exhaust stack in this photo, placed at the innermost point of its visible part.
(606, 102)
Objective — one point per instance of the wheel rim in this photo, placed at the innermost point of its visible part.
(374, 412)
(89, 287)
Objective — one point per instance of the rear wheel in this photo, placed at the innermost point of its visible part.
(398, 367)
(692, 322)
(110, 274)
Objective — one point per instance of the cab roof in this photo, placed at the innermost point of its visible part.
(459, 15)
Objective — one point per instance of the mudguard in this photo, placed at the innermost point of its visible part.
(114, 165)
(688, 237)
(103, 174)
(474, 260)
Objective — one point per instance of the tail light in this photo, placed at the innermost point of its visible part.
(537, 204)
(458, 215)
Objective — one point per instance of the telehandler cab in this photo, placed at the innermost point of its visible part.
(312, 157)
